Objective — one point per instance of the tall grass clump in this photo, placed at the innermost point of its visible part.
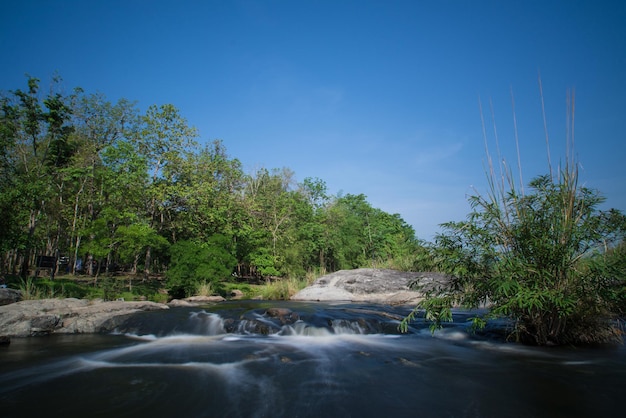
(205, 288)
(542, 256)
(31, 290)
(282, 289)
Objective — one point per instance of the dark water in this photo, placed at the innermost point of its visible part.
(235, 360)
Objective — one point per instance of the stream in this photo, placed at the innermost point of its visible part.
(298, 359)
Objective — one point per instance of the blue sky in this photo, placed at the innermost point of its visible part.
(373, 97)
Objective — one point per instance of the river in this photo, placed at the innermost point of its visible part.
(234, 359)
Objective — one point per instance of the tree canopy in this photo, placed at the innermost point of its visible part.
(113, 188)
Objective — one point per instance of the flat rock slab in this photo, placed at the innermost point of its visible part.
(371, 285)
(67, 316)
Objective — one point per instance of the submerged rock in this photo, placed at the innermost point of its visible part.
(371, 285)
(67, 316)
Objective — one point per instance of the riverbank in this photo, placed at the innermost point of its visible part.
(67, 316)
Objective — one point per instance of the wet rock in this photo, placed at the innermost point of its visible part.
(230, 325)
(262, 328)
(284, 315)
(372, 285)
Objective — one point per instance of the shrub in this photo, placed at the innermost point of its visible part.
(547, 258)
(194, 263)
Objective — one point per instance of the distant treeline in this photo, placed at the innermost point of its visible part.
(107, 188)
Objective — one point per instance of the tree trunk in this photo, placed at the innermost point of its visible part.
(32, 224)
(75, 254)
(89, 265)
(146, 270)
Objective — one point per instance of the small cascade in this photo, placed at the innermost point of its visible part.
(301, 328)
(205, 323)
(247, 319)
(342, 326)
(260, 323)
(336, 327)
(256, 327)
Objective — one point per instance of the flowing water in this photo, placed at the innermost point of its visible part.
(303, 360)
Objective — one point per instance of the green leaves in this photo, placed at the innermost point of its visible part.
(194, 263)
(539, 258)
(103, 182)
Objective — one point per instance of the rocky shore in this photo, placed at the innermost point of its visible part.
(67, 316)
(26, 318)
(73, 316)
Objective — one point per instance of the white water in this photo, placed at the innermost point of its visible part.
(328, 363)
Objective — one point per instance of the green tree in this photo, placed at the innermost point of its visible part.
(268, 202)
(36, 143)
(194, 263)
(96, 180)
(106, 169)
(164, 140)
(205, 194)
(358, 235)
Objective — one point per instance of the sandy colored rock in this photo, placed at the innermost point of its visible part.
(195, 301)
(371, 285)
(67, 316)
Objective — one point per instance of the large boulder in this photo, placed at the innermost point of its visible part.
(67, 316)
(371, 285)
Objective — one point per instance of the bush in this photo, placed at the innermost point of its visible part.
(195, 263)
(547, 258)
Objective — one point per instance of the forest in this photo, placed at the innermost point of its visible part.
(96, 189)
(105, 189)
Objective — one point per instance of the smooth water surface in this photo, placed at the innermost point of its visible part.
(317, 360)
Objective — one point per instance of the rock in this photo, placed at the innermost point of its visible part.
(8, 296)
(195, 301)
(284, 315)
(371, 285)
(236, 294)
(67, 316)
(177, 303)
(205, 299)
(45, 324)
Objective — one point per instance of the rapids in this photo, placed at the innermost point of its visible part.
(235, 359)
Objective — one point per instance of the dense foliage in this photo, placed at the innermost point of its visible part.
(108, 188)
(548, 258)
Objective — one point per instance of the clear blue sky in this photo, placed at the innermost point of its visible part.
(373, 97)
